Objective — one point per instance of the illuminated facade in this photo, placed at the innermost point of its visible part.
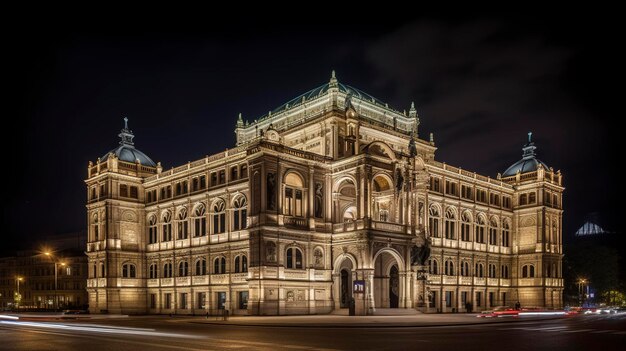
(329, 192)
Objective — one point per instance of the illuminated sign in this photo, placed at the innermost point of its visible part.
(359, 287)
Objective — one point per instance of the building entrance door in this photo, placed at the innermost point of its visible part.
(394, 283)
(345, 288)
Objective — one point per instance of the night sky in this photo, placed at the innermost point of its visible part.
(478, 84)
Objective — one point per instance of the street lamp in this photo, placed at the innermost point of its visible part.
(18, 297)
(56, 299)
(581, 290)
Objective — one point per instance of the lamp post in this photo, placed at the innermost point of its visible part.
(18, 297)
(581, 290)
(56, 299)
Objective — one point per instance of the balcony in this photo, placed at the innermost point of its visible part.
(153, 283)
(505, 282)
(436, 241)
(238, 277)
(183, 281)
(479, 281)
(200, 279)
(297, 222)
(492, 281)
(388, 227)
(434, 279)
(296, 274)
(452, 280)
(466, 245)
(130, 282)
(453, 243)
(465, 281)
(348, 226)
(219, 279)
(167, 282)
(219, 238)
(493, 248)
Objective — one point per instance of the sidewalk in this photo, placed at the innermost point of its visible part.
(49, 316)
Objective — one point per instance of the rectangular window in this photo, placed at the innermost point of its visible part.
(103, 190)
(201, 300)
(451, 188)
(169, 191)
(481, 195)
(466, 192)
(123, 190)
(233, 173)
(491, 299)
(288, 201)
(503, 299)
(213, 179)
(555, 200)
(202, 182)
(93, 193)
(134, 192)
(433, 299)
(298, 203)
(244, 171)
(152, 300)
(435, 184)
(183, 301)
(463, 297)
(168, 301)
(243, 300)
(479, 299)
(506, 201)
(194, 184)
(221, 300)
(448, 298)
(222, 176)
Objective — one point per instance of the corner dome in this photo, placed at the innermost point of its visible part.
(529, 161)
(127, 151)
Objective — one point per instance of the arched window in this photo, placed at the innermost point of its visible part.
(201, 267)
(450, 222)
(241, 264)
(129, 270)
(505, 234)
(433, 266)
(466, 218)
(525, 271)
(294, 189)
(294, 258)
(528, 271)
(449, 267)
(479, 233)
(240, 213)
(504, 271)
(465, 271)
(183, 269)
(167, 270)
(492, 270)
(493, 231)
(153, 271)
(479, 270)
(96, 227)
(219, 265)
(219, 217)
(433, 221)
(167, 226)
(199, 220)
(183, 224)
(531, 271)
(152, 230)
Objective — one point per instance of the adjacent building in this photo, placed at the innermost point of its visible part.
(332, 196)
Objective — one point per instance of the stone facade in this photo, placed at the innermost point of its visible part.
(330, 192)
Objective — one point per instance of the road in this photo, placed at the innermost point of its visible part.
(157, 333)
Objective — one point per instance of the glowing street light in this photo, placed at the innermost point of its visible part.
(56, 278)
(581, 290)
(18, 296)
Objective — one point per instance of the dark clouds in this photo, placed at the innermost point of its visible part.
(479, 85)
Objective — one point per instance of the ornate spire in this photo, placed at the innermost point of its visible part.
(412, 110)
(529, 148)
(239, 121)
(126, 134)
(333, 79)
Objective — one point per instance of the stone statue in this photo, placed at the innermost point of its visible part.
(319, 196)
(271, 191)
(420, 254)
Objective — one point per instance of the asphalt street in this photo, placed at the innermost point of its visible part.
(583, 332)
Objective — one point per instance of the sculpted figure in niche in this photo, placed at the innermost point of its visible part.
(270, 251)
(319, 196)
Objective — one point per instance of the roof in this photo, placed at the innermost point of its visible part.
(529, 161)
(590, 228)
(127, 151)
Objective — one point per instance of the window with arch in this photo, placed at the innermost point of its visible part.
(479, 233)
(506, 234)
(492, 270)
(504, 271)
(152, 230)
(183, 224)
(240, 213)
(183, 269)
(167, 270)
(466, 219)
(294, 189)
(433, 266)
(219, 265)
(199, 221)
(219, 217)
(129, 270)
(493, 231)
(450, 224)
(153, 272)
(449, 267)
(465, 269)
(528, 271)
(167, 226)
(479, 270)
(201, 267)
(294, 258)
(241, 264)
(433, 221)
(96, 227)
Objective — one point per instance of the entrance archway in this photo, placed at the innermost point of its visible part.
(345, 289)
(343, 275)
(387, 283)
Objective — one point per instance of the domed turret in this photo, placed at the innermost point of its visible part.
(127, 151)
(529, 161)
